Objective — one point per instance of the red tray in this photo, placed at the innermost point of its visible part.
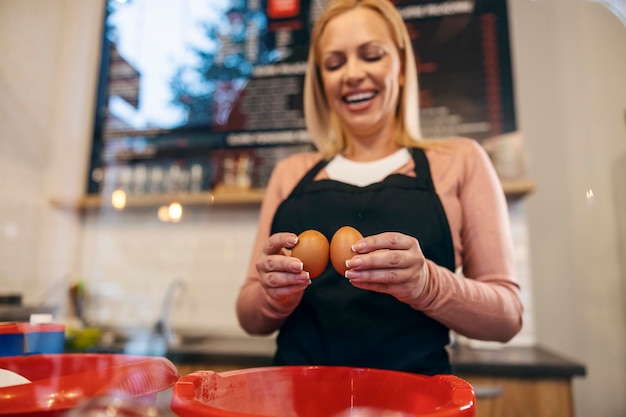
(59, 382)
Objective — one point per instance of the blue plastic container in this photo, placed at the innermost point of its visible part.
(26, 338)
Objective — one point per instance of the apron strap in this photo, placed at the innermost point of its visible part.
(422, 169)
(299, 189)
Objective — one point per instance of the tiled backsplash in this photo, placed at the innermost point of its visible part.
(135, 254)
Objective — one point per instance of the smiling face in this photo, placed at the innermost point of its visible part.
(361, 72)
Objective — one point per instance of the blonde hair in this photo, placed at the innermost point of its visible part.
(323, 126)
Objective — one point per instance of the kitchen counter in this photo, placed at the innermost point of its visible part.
(225, 351)
(520, 362)
(244, 351)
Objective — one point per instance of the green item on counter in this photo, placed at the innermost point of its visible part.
(82, 339)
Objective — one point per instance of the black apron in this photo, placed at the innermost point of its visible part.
(338, 324)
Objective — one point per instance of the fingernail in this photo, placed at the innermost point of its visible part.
(357, 247)
(297, 265)
(306, 279)
(292, 240)
(353, 263)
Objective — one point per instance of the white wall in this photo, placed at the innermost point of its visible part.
(569, 62)
(48, 69)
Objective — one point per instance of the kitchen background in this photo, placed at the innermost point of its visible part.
(569, 61)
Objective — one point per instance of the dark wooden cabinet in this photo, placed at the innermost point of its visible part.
(518, 381)
(522, 397)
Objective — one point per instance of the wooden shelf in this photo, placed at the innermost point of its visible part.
(514, 189)
(223, 197)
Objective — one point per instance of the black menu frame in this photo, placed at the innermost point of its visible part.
(256, 74)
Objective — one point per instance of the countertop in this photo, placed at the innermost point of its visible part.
(520, 362)
(507, 361)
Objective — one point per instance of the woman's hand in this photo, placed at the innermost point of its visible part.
(391, 263)
(280, 275)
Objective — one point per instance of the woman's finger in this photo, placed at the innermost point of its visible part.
(385, 240)
(382, 259)
(278, 263)
(279, 241)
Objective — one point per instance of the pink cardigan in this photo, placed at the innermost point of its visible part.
(481, 300)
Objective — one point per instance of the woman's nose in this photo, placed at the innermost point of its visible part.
(353, 71)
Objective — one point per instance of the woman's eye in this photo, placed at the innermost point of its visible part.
(372, 57)
(333, 64)
(372, 53)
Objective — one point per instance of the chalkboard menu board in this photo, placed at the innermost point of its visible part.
(237, 88)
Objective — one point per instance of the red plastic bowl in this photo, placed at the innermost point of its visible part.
(302, 391)
(59, 382)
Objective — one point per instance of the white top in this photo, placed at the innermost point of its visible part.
(366, 173)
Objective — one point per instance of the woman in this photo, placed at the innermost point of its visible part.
(425, 208)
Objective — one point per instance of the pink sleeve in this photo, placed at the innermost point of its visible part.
(254, 312)
(484, 302)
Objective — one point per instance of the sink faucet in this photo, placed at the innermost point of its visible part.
(163, 326)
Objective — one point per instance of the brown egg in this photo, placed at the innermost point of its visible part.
(341, 247)
(312, 250)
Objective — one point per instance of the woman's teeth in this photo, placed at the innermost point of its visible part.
(359, 97)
